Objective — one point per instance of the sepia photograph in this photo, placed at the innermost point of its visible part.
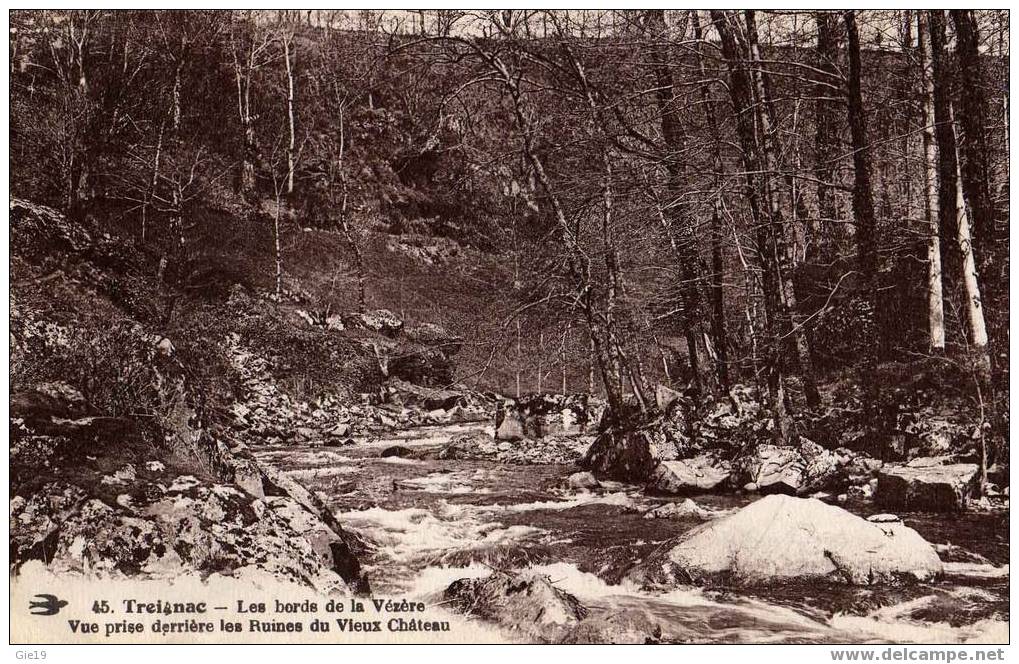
(510, 326)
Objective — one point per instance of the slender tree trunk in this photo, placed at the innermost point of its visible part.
(718, 301)
(743, 104)
(289, 56)
(153, 181)
(782, 232)
(970, 280)
(976, 172)
(935, 298)
(866, 226)
(863, 195)
(278, 243)
(717, 233)
(826, 137)
(175, 93)
(945, 141)
(681, 226)
(242, 74)
(345, 226)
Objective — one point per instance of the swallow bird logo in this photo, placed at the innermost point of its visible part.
(48, 605)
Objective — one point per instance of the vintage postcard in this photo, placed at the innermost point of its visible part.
(524, 326)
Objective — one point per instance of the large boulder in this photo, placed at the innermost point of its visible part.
(927, 484)
(524, 602)
(781, 538)
(700, 474)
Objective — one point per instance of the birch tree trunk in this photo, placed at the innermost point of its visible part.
(935, 298)
(289, 56)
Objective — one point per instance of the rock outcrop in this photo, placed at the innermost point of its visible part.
(780, 538)
(927, 484)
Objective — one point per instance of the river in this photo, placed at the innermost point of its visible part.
(427, 523)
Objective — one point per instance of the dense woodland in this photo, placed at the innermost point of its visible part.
(812, 203)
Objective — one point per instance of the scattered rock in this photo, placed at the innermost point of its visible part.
(781, 537)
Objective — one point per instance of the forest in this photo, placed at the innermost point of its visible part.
(786, 199)
(719, 252)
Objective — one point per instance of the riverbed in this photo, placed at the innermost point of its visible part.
(426, 523)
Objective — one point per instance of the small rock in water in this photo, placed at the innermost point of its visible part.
(883, 518)
(397, 451)
(684, 510)
(582, 480)
(750, 487)
(154, 466)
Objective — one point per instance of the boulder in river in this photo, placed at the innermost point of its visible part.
(781, 538)
(522, 602)
(583, 480)
(628, 455)
(926, 484)
(699, 474)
